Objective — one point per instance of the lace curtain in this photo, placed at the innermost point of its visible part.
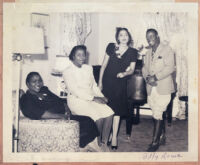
(74, 29)
(172, 28)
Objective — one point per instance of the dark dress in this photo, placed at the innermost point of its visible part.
(115, 89)
(33, 108)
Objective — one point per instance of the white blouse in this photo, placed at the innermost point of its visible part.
(80, 82)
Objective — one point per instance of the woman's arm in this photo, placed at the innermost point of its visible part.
(128, 71)
(105, 62)
(31, 107)
(73, 87)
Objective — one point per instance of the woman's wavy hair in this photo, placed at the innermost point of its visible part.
(118, 30)
(75, 48)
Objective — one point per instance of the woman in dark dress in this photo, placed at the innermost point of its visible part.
(119, 63)
(39, 102)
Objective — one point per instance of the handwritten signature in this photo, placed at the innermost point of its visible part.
(163, 156)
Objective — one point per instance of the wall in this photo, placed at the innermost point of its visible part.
(92, 41)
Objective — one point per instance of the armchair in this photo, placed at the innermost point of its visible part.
(47, 135)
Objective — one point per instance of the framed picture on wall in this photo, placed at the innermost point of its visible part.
(41, 20)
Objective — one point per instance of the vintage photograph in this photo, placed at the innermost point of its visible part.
(101, 82)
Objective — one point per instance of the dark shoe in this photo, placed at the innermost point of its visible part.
(108, 143)
(153, 147)
(150, 144)
(114, 147)
(161, 142)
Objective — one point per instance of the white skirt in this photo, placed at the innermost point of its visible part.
(88, 108)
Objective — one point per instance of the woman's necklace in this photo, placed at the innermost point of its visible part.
(120, 52)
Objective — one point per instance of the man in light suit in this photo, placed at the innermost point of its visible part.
(157, 71)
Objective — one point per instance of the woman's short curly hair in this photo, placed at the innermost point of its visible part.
(75, 48)
(30, 75)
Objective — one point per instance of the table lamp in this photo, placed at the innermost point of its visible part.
(25, 41)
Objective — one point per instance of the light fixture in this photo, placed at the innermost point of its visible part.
(25, 41)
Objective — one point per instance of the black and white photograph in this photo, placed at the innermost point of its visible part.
(97, 82)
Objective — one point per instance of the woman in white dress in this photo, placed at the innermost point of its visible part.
(84, 96)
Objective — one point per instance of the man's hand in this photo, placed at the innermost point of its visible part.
(100, 100)
(151, 80)
(41, 96)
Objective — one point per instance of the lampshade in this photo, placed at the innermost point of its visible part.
(28, 40)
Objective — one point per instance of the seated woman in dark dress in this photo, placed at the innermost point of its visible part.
(39, 103)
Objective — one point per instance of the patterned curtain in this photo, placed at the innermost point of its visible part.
(74, 29)
(172, 28)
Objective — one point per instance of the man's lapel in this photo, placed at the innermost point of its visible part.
(157, 53)
(148, 59)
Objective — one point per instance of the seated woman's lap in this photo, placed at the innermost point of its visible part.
(89, 108)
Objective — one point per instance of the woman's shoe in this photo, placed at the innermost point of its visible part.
(114, 147)
(108, 143)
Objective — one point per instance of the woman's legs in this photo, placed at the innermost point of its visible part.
(107, 124)
(115, 128)
(99, 124)
(88, 129)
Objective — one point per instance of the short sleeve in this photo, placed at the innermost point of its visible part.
(110, 48)
(133, 55)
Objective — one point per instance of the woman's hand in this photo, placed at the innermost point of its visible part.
(105, 99)
(41, 96)
(100, 100)
(121, 75)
